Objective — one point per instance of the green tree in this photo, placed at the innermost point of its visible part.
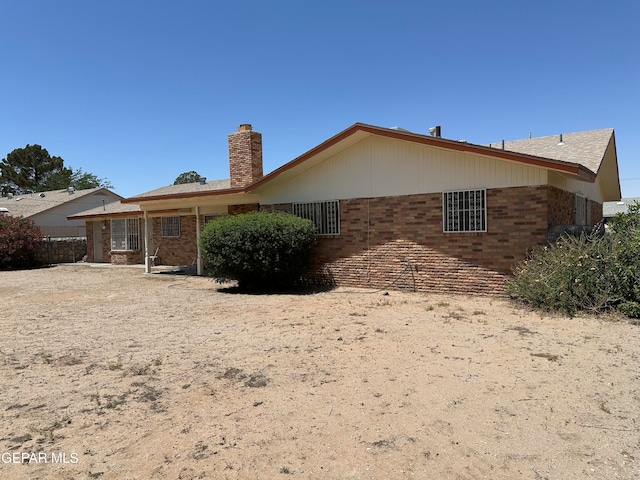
(77, 179)
(187, 177)
(32, 169)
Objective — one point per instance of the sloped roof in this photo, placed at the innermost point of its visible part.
(31, 204)
(610, 209)
(358, 131)
(583, 148)
(110, 209)
(194, 187)
(580, 157)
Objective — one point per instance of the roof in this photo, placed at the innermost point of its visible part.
(610, 209)
(31, 204)
(194, 187)
(583, 148)
(112, 209)
(359, 131)
(580, 158)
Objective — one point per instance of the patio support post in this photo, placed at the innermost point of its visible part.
(199, 257)
(147, 263)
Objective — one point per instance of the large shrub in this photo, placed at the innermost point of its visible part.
(261, 250)
(596, 272)
(20, 242)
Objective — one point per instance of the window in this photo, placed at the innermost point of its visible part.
(208, 218)
(464, 211)
(324, 215)
(170, 226)
(125, 234)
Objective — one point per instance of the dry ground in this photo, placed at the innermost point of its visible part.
(158, 376)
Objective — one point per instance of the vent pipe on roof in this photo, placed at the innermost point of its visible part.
(435, 131)
(561, 143)
(503, 144)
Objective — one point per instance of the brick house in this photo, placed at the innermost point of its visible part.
(390, 206)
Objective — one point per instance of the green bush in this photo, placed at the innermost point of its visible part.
(596, 272)
(261, 250)
(20, 242)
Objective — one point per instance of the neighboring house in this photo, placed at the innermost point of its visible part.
(611, 209)
(49, 210)
(390, 206)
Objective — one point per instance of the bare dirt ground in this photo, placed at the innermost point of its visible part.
(108, 373)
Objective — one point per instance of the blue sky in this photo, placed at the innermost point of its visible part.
(139, 91)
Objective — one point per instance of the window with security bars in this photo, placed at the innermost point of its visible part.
(465, 211)
(125, 234)
(324, 215)
(170, 226)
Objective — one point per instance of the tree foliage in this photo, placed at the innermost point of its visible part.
(187, 177)
(596, 272)
(261, 250)
(32, 169)
(20, 242)
(77, 179)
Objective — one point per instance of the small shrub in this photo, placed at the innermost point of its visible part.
(20, 242)
(261, 250)
(595, 272)
(630, 309)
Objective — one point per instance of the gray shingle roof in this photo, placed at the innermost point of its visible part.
(584, 148)
(109, 209)
(31, 204)
(610, 209)
(195, 187)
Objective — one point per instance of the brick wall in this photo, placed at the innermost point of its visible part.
(596, 213)
(180, 250)
(562, 206)
(245, 208)
(278, 207)
(400, 240)
(89, 230)
(245, 156)
(126, 257)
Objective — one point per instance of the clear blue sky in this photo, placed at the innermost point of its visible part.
(139, 91)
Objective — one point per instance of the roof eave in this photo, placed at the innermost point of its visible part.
(177, 196)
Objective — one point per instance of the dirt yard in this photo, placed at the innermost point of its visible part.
(112, 374)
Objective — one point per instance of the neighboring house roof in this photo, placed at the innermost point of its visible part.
(31, 204)
(611, 209)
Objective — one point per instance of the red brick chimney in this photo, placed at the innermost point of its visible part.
(245, 156)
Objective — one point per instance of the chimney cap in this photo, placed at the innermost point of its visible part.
(244, 127)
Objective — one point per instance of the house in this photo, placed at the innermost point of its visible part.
(391, 207)
(611, 209)
(49, 210)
